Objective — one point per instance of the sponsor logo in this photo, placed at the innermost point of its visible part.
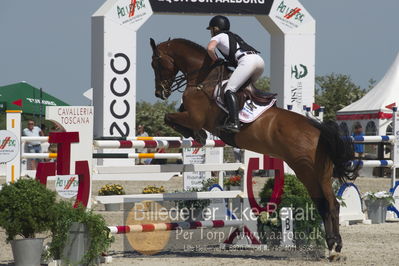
(46, 102)
(196, 150)
(290, 13)
(67, 185)
(129, 10)
(299, 72)
(9, 146)
(120, 78)
(296, 93)
(7, 141)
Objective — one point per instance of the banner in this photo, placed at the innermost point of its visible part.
(251, 7)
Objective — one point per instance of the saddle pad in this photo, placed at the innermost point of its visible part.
(250, 111)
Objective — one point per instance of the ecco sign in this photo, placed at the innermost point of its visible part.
(120, 87)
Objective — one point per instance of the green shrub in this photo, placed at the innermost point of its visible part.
(307, 221)
(100, 238)
(25, 208)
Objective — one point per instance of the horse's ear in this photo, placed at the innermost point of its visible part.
(169, 39)
(154, 46)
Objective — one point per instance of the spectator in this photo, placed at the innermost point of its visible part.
(141, 132)
(359, 148)
(32, 146)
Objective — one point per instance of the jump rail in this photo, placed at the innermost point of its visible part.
(124, 144)
(124, 229)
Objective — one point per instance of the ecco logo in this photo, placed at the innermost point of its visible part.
(120, 79)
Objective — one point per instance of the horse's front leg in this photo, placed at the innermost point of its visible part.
(183, 123)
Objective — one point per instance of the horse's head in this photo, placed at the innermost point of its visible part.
(164, 68)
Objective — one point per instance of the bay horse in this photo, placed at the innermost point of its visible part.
(312, 149)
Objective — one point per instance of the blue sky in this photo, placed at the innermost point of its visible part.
(47, 42)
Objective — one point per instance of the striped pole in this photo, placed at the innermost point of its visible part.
(124, 229)
(373, 163)
(125, 144)
(39, 155)
(137, 155)
(371, 139)
(137, 138)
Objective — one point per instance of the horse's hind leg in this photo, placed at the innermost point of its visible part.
(331, 211)
(317, 180)
(333, 216)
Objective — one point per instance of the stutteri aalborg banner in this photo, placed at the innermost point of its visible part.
(256, 7)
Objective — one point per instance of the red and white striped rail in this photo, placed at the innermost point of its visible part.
(137, 155)
(137, 138)
(125, 144)
(124, 229)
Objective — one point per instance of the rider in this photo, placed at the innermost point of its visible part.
(248, 64)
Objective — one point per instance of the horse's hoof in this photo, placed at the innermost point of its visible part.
(336, 257)
(200, 137)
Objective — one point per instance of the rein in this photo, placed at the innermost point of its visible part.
(181, 80)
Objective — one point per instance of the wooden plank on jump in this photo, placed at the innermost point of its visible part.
(171, 196)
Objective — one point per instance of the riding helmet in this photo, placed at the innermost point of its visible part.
(221, 22)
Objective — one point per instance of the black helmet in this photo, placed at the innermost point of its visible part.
(221, 22)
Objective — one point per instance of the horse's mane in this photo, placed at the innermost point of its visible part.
(198, 47)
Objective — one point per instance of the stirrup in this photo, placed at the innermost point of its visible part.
(232, 127)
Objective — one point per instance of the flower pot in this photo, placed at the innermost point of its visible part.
(271, 236)
(112, 207)
(77, 244)
(27, 251)
(233, 187)
(377, 210)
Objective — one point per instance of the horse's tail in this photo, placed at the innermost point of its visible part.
(339, 148)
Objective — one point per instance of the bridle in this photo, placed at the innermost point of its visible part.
(177, 82)
(169, 85)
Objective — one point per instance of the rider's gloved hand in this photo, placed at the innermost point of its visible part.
(219, 61)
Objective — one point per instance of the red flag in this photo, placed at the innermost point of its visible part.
(390, 106)
(18, 102)
(315, 106)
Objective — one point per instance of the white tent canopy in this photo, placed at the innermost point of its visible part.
(383, 94)
(370, 111)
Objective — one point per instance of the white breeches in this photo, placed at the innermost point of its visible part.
(250, 66)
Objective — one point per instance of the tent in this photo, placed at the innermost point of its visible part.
(373, 111)
(25, 97)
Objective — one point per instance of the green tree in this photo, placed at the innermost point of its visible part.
(152, 117)
(335, 91)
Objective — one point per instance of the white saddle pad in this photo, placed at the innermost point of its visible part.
(250, 111)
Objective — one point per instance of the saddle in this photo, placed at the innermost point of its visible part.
(249, 92)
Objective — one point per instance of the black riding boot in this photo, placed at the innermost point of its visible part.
(233, 123)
